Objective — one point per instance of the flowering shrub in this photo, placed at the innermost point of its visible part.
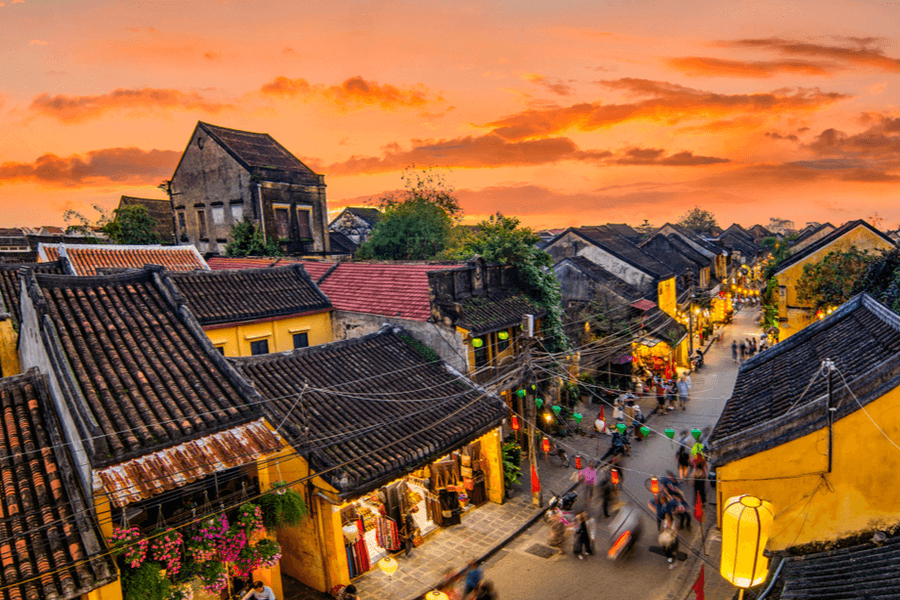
(231, 544)
(167, 549)
(203, 541)
(250, 517)
(130, 544)
(263, 555)
(214, 577)
(181, 592)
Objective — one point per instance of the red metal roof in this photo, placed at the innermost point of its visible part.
(395, 290)
(643, 304)
(153, 474)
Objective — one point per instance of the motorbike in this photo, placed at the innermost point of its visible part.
(697, 360)
(625, 528)
(562, 503)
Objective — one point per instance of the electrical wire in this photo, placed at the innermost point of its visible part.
(877, 426)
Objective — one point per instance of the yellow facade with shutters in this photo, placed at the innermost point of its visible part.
(795, 314)
(278, 333)
(9, 352)
(668, 297)
(812, 505)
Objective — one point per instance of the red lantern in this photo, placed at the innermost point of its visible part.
(654, 485)
(514, 423)
(614, 473)
(545, 445)
(578, 461)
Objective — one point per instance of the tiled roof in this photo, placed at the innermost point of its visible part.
(625, 250)
(24, 256)
(159, 210)
(862, 337)
(604, 277)
(10, 289)
(49, 546)
(626, 231)
(662, 249)
(394, 290)
(739, 243)
(496, 310)
(315, 268)
(86, 259)
(827, 240)
(341, 244)
(370, 215)
(260, 154)
(862, 571)
(689, 251)
(660, 326)
(140, 373)
(248, 294)
(376, 408)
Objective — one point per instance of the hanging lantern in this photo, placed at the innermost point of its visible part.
(514, 423)
(545, 445)
(614, 476)
(578, 461)
(520, 393)
(578, 417)
(388, 565)
(478, 342)
(503, 335)
(538, 402)
(645, 431)
(654, 485)
(670, 433)
(621, 427)
(548, 417)
(746, 522)
(533, 387)
(556, 408)
(436, 595)
(696, 433)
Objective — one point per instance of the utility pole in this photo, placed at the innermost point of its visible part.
(691, 325)
(828, 365)
(537, 498)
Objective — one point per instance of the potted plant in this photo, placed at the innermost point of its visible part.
(282, 506)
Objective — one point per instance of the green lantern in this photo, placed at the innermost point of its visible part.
(520, 393)
(538, 402)
(578, 417)
(670, 433)
(503, 335)
(533, 387)
(621, 427)
(696, 433)
(645, 431)
(478, 342)
(556, 409)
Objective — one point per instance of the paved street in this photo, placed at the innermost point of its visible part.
(521, 575)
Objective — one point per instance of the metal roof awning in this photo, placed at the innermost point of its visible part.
(643, 304)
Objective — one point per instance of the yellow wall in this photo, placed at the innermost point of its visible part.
(668, 299)
(279, 332)
(9, 354)
(859, 494)
(490, 449)
(110, 591)
(490, 340)
(790, 308)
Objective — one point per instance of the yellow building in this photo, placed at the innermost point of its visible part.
(774, 439)
(247, 312)
(378, 424)
(793, 314)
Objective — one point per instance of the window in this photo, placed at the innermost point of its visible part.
(201, 223)
(481, 356)
(283, 223)
(301, 340)
(218, 214)
(502, 344)
(237, 213)
(181, 223)
(303, 224)
(259, 347)
(221, 349)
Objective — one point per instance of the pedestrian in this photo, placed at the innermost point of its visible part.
(486, 591)
(474, 577)
(582, 537)
(588, 478)
(347, 593)
(668, 539)
(683, 457)
(659, 506)
(671, 395)
(700, 474)
(260, 591)
(660, 397)
(743, 350)
(684, 389)
(734, 351)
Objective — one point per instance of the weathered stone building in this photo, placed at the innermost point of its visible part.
(227, 175)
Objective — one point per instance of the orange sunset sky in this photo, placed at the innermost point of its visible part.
(561, 113)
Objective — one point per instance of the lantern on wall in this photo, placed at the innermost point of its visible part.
(477, 342)
(503, 335)
(654, 485)
(514, 423)
(746, 522)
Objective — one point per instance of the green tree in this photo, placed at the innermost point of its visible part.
(246, 239)
(418, 223)
(78, 224)
(882, 280)
(645, 229)
(780, 251)
(500, 239)
(699, 221)
(831, 281)
(769, 302)
(131, 225)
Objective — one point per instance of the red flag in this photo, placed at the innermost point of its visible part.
(698, 585)
(698, 509)
(535, 482)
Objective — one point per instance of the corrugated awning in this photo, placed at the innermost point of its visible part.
(643, 304)
(145, 477)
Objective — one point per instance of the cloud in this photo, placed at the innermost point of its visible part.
(556, 86)
(704, 66)
(863, 54)
(96, 168)
(354, 92)
(657, 156)
(666, 102)
(74, 109)
(878, 143)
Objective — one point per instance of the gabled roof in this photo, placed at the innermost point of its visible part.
(87, 259)
(693, 238)
(737, 242)
(136, 369)
(315, 268)
(736, 229)
(341, 244)
(690, 252)
(664, 250)
(862, 337)
(760, 231)
(623, 249)
(261, 155)
(240, 295)
(367, 214)
(863, 570)
(626, 231)
(159, 210)
(376, 408)
(496, 310)
(52, 547)
(827, 240)
(602, 276)
(18, 257)
(10, 288)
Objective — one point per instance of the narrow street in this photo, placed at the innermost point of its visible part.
(523, 575)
